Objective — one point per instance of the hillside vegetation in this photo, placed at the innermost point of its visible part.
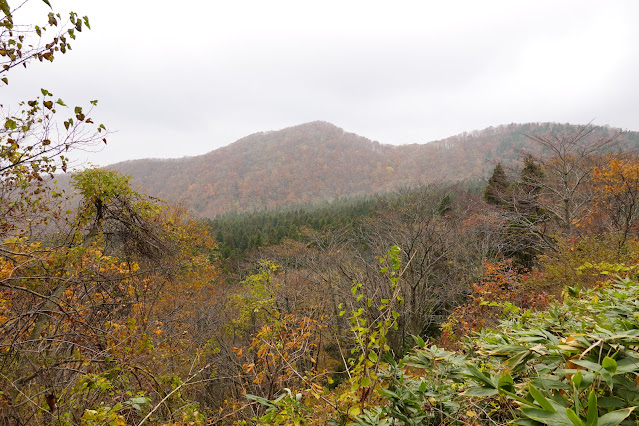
(318, 162)
(513, 301)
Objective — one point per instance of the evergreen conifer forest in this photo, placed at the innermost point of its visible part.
(506, 300)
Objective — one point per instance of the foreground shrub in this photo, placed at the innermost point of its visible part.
(574, 364)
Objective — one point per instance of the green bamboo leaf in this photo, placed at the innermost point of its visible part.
(587, 364)
(546, 417)
(506, 381)
(573, 417)
(481, 391)
(611, 402)
(576, 379)
(605, 374)
(419, 341)
(591, 419)
(542, 382)
(518, 362)
(627, 365)
(614, 418)
(474, 372)
(541, 399)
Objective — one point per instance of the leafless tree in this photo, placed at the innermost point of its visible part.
(567, 160)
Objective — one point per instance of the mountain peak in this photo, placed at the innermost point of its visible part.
(318, 161)
(318, 124)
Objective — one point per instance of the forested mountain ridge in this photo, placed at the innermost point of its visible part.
(318, 161)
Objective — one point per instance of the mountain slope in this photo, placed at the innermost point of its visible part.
(318, 161)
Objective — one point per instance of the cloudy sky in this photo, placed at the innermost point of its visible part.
(179, 78)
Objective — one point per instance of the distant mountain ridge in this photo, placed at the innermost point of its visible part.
(318, 161)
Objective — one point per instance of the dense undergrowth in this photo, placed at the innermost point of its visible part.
(573, 363)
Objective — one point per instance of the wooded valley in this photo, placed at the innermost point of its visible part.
(509, 299)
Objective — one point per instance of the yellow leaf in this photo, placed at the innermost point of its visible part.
(354, 411)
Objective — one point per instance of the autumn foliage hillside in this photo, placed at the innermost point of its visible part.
(318, 161)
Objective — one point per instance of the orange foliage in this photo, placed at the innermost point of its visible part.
(616, 187)
(618, 176)
(282, 354)
(87, 312)
(501, 290)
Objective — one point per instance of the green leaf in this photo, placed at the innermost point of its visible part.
(9, 124)
(45, 92)
(542, 382)
(576, 379)
(541, 399)
(546, 417)
(506, 381)
(587, 364)
(609, 364)
(481, 391)
(607, 377)
(474, 372)
(419, 341)
(573, 417)
(47, 3)
(259, 399)
(627, 365)
(611, 402)
(5, 8)
(60, 102)
(614, 418)
(591, 420)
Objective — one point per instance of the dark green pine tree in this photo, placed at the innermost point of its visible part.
(497, 186)
(531, 175)
(445, 206)
(526, 229)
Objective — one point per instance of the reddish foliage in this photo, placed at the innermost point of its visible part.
(501, 290)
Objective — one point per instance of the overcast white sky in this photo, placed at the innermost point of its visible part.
(178, 78)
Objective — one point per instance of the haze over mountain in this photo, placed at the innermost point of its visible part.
(318, 161)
